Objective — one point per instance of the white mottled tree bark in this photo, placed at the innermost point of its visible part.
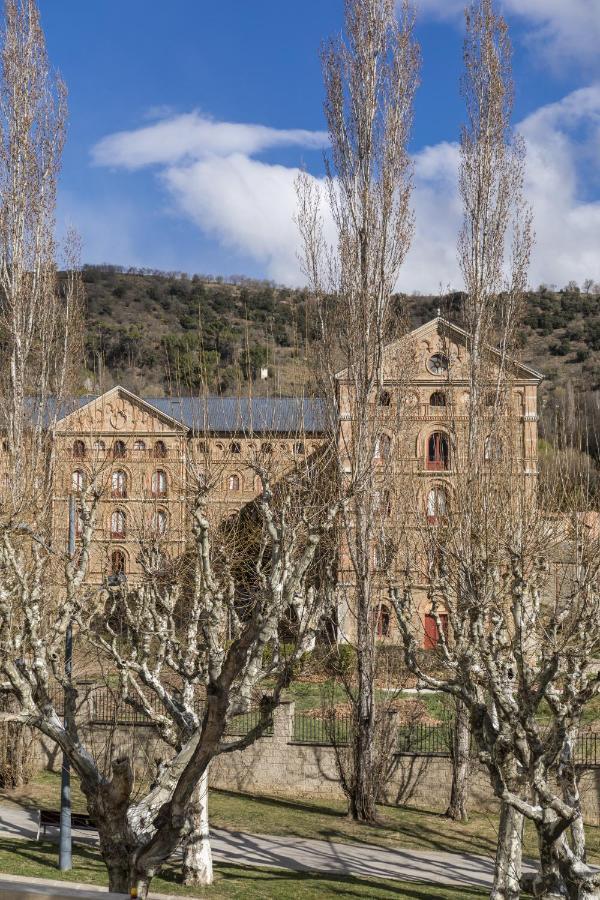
(197, 855)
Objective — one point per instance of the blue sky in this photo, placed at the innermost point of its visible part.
(188, 120)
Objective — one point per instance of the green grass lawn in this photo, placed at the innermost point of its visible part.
(38, 860)
(406, 827)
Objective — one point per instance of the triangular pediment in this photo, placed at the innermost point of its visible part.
(120, 411)
(417, 352)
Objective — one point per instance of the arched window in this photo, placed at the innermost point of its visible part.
(438, 398)
(139, 445)
(159, 483)
(383, 447)
(437, 505)
(382, 620)
(160, 450)
(235, 447)
(384, 399)
(119, 450)
(118, 563)
(202, 447)
(119, 483)
(78, 449)
(159, 522)
(266, 448)
(78, 480)
(233, 483)
(99, 446)
(118, 524)
(438, 452)
(492, 449)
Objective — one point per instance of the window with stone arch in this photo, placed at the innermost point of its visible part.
(118, 524)
(78, 449)
(233, 482)
(159, 483)
(437, 505)
(160, 522)
(119, 483)
(382, 620)
(119, 450)
(384, 399)
(235, 447)
(78, 481)
(438, 452)
(118, 563)
(160, 450)
(438, 398)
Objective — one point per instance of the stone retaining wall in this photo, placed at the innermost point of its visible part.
(278, 765)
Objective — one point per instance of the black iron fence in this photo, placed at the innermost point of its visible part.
(417, 739)
(100, 705)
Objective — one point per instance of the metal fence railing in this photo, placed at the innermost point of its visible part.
(417, 739)
(311, 730)
(239, 726)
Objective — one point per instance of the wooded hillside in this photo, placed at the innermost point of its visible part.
(160, 332)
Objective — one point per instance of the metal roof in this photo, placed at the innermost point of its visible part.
(222, 414)
(234, 414)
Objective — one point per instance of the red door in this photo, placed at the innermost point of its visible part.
(432, 635)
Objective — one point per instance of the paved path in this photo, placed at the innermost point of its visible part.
(304, 855)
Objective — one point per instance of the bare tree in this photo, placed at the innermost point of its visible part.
(192, 644)
(370, 80)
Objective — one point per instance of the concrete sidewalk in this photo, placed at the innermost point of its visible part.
(302, 855)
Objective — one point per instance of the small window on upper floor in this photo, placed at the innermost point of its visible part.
(266, 448)
(118, 524)
(299, 448)
(78, 449)
(99, 446)
(160, 450)
(159, 522)
(438, 398)
(235, 447)
(385, 398)
(202, 447)
(118, 563)
(119, 483)
(119, 450)
(78, 481)
(139, 445)
(233, 483)
(159, 483)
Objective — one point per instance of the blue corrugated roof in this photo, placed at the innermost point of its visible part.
(234, 414)
(225, 414)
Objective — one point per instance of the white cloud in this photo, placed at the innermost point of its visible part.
(248, 205)
(192, 136)
(560, 29)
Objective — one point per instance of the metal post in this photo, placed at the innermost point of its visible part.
(65, 844)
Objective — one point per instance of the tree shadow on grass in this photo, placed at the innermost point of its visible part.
(426, 831)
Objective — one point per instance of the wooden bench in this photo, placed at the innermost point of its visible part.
(51, 818)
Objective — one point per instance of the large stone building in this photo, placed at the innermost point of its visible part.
(144, 448)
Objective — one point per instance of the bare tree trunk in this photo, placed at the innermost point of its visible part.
(197, 856)
(361, 806)
(461, 748)
(509, 855)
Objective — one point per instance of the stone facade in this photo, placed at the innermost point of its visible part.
(144, 450)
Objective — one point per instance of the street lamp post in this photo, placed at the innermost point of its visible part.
(65, 844)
